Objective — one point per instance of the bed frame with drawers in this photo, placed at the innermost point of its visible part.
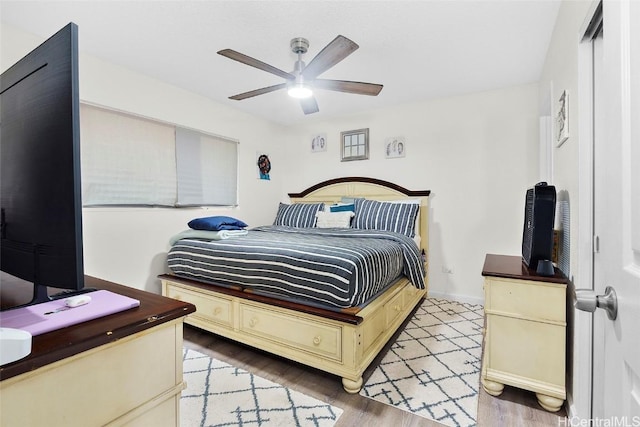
(339, 343)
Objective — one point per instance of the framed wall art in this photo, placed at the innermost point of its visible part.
(264, 165)
(395, 147)
(354, 145)
(319, 143)
(562, 119)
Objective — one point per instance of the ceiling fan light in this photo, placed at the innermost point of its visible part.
(300, 91)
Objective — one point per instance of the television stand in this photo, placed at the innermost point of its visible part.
(70, 293)
(41, 295)
(121, 369)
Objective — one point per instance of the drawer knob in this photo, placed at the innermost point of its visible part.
(317, 340)
(217, 311)
(396, 307)
(253, 322)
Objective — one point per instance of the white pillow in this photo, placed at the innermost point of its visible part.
(334, 219)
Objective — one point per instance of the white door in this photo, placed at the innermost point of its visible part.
(616, 353)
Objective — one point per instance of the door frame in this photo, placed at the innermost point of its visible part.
(581, 404)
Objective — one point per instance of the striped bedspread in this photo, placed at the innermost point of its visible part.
(337, 268)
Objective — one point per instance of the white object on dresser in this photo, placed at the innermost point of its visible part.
(14, 345)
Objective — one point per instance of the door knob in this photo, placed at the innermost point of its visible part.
(587, 300)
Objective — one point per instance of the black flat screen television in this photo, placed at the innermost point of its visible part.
(40, 194)
(537, 232)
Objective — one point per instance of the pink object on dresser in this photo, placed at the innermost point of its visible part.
(49, 316)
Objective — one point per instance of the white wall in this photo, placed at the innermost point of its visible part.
(145, 231)
(477, 154)
(563, 70)
(560, 73)
(129, 245)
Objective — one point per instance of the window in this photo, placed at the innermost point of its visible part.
(207, 169)
(132, 161)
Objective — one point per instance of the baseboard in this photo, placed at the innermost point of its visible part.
(456, 297)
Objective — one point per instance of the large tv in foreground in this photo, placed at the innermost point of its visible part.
(40, 194)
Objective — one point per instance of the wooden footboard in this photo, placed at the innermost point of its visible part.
(342, 345)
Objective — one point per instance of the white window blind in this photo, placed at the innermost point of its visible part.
(132, 161)
(207, 169)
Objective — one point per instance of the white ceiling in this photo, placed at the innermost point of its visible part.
(417, 49)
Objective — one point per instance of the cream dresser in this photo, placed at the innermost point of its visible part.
(525, 331)
(117, 370)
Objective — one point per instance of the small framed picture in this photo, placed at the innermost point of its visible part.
(395, 147)
(319, 143)
(562, 119)
(354, 145)
(263, 165)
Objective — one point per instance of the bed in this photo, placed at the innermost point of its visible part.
(343, 333)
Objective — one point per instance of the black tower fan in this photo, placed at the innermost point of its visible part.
(539, 214)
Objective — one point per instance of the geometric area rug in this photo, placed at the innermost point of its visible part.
(433, 368)
(219, 394)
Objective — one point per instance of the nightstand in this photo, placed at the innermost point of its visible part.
(525, 330)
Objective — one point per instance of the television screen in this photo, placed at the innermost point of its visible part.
(537, 232)
(40, 194)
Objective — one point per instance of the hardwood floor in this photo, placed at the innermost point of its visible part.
(513, 408)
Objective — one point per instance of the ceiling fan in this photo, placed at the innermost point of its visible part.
(303, 78)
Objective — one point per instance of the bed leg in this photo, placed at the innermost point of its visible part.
(350, 386)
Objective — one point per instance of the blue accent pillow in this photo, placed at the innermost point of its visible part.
(342, 208)
(216, 223)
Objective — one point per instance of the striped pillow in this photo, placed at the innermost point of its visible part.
(386, 216)
(300, 215)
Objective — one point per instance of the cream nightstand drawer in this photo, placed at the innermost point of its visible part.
(299, 334)
(524, 298)
(208, 307)
(526, 349)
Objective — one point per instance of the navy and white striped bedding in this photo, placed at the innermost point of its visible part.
(337, 268)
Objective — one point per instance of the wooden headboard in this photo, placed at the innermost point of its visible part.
(333, 190)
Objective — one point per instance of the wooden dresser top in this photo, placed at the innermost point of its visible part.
(56, 345)
(512, 267)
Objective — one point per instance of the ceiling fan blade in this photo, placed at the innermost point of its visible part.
(309, 105)
(257, 92)
(240, 57)
(334, 52)
(358, 88)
